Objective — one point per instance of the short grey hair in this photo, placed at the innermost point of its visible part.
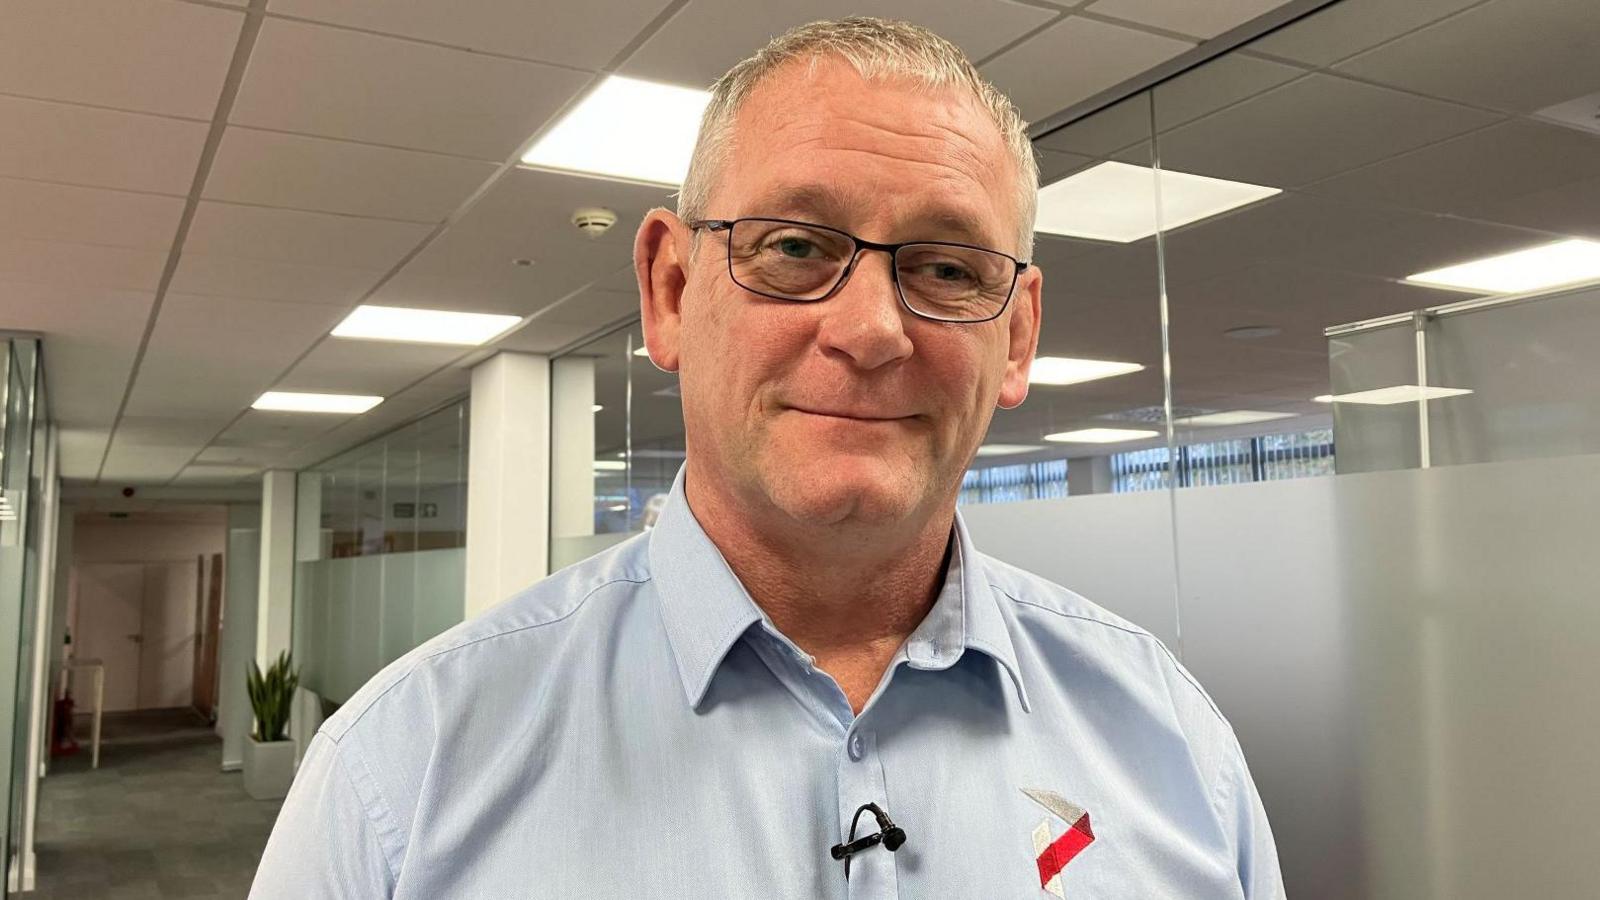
(876, 48)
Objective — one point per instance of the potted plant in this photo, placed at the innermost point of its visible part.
(269, 754)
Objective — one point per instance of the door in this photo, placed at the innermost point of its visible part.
(108, 628)
(166, 663)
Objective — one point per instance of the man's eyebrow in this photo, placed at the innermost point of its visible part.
(822, 205)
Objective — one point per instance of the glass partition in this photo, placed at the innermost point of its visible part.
(24, 433)
(1396, 644)
(637, 447)
(380, 551)
(1349, 469)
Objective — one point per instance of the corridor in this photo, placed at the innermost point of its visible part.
(156, 820)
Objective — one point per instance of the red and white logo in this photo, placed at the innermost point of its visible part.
(1053, 855)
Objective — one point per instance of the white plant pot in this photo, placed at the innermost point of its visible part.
(268, 768)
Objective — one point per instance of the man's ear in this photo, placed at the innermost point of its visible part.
(1023, 338)
(660, 261)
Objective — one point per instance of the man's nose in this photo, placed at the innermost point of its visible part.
(864, 320)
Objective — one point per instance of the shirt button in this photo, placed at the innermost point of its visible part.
(855, 747)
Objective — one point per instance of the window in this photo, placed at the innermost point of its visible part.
(1022, 481)
(1270, 457)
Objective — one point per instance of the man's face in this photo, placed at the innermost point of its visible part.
(853, 408)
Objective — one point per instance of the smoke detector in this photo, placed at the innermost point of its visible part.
(593, 220)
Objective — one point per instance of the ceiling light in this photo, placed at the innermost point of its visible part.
(626, 128)
(642, 351)
(597, 408)
(610, 465)
(1400, 393)
(422, 326)
(1233, 417)
(1006, 449)
(289, 401)
(1533, 269)
(1117, 202)
(1100, 435)
(1064, 370)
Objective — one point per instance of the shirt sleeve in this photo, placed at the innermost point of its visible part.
(1259, 875)
(327, 842)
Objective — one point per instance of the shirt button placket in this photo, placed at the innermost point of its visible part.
(873, 874)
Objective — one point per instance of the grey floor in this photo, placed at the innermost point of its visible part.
(158, 819)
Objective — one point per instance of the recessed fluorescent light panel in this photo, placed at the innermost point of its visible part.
(642, 351)
(422, 326)
(1006, 449)
(1400, 393)
(1533, 269)
(1117, 202)
(1232, 417)
(610, 465)
(288, 401)
(626, 128)
(1065, 370)
(1100, 435)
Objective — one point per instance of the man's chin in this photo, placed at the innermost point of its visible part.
(842, 489)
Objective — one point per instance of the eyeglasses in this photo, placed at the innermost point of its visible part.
(805, 263)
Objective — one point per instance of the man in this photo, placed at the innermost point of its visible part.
(706, 710)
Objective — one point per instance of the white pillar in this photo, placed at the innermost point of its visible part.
(572, 446)
(275, 591)
(508, 478)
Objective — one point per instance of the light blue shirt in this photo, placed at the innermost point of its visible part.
(634, 726)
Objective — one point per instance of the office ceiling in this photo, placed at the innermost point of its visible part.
(193, 193)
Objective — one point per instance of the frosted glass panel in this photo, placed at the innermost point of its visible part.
(361, 613)
(1408, 658)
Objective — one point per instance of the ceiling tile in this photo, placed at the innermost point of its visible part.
(553, 32)
(366, 367)
(79, 145)
(1055, 165)
(81, 451)
(1221, 82)
(286, 170)
(1351, 26)
(297, 236)
(58, 212)
(1119, 126)
(1310, 129)
(1515, 55)
(1202, 20)
(1478, 174)
(80, 265)
(230, 276)
(1081, 57)
(706, 37)
(211, 357)
(167, 431)
(276, 431)
(527, 214)
(145, 465)
(543, 337)
(215, 474)
(312, 79)
(156, 57)
(90, 338)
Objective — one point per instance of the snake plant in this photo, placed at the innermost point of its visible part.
(271, 695)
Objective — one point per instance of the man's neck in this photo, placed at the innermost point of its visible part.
(847, 595)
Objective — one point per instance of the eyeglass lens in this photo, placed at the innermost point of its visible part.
(796, 262)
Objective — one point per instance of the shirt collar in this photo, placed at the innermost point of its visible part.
(706, 609)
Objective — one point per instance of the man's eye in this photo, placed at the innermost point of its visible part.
(797, 248)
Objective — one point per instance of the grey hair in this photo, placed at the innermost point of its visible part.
(875, 48)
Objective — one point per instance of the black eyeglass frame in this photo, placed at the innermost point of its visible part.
(858, 245)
